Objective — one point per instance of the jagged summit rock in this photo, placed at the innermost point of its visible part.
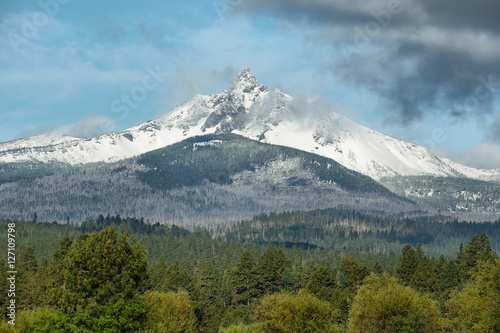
(232, 107)
(245, 82)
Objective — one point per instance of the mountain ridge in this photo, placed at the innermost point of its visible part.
(252, 110)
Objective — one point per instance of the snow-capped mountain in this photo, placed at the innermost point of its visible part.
(254, 111)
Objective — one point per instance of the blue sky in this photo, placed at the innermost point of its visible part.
(67, 66)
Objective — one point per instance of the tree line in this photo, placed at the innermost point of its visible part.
(114, 274)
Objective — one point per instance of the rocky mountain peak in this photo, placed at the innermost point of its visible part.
(245, 80)
(231, 108)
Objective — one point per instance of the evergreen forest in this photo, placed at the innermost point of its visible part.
(114, 274)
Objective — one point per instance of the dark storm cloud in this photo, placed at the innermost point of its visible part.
(319, 11)
(441, 79)
(418, 56)
(482, 14)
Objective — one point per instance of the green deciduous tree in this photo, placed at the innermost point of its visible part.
(43, 319)
(296, 313)
(383, 305)
(169, 313)
(477, 307)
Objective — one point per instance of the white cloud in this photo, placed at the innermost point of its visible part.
(90, 126)
(485, 155)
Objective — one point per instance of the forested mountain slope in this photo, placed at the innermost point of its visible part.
(202, 180)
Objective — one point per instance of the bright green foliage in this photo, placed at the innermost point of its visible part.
(295, 313)
(241, 328)
(170, 312)
(477, 307)
(244, 280)
(123, 315)
(104, 279)
(43, 319)
(225, 288)
(383, 305)
(6, 327)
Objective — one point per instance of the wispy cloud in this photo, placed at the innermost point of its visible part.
(483, 156)
(90, 126)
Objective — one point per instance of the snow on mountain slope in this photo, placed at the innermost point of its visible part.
(251, 110)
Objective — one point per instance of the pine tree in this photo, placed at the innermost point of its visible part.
(244, 280)
(478, 249)
(322, 284)
(58, 264)
(28, 268)
(158, 275)
(105, 277)
(209, 296)
(407, 265)
(306, 274)
(269, 271)
(353, 271)
(377, 268)
(425, 278)
(3, 288)
(177, 279)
